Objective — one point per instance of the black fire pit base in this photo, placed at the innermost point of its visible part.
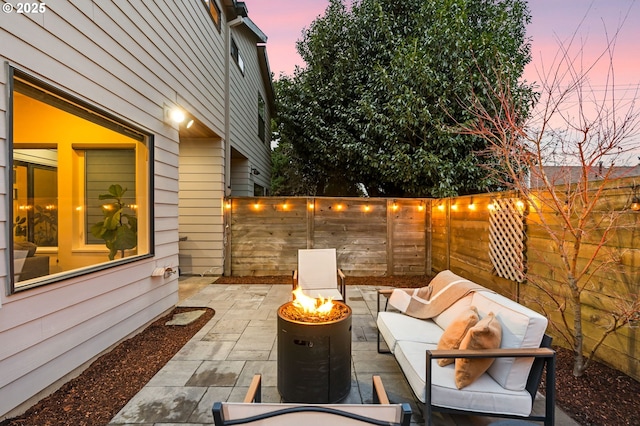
(314, 359)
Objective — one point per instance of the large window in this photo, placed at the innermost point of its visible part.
(81, 187)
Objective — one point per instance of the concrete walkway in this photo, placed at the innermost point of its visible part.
(217, 364)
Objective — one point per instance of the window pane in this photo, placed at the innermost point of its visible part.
(68, 172)
(103, 169)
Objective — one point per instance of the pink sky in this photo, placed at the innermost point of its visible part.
(283, 21)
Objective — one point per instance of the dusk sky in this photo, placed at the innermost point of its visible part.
(552, 21)
(284, 20)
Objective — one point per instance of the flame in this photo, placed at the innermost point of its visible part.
(309, 305)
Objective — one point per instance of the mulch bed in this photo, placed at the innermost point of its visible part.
(100, 391)
(602, 397)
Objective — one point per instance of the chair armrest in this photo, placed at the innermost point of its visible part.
(379, 394)
(386, 292)
(254, 393)
(342, 286)
(491, 353)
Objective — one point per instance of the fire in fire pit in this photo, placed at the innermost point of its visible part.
(307, 309)
(314, 350)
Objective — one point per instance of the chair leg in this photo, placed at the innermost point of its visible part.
(550, 397)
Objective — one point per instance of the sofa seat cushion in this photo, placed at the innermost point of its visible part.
(484, 395)
(394, 326)
(521, 328)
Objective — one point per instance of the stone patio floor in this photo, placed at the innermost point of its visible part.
(218, 363)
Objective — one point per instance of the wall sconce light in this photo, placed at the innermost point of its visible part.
(454, 207)
(366, 207)
(227, 204)
(635, 200)
(441, 205)
(421, 206)
(339, 207)
(255, 171)
(174, 115)
(310, 206)
(394, 206)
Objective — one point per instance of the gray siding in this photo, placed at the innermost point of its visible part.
(128, 58)
(200, 212)
(244, 90)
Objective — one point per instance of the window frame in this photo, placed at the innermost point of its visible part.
(146, 138)
(211, 4)
(234, 50)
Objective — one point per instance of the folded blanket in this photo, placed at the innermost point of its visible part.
(444, 290)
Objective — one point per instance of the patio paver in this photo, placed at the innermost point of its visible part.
(217, 364)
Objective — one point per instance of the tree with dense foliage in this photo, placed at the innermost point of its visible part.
(373, 107)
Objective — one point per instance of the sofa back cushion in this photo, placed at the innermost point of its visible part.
(521, 328)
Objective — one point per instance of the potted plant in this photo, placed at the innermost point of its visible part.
(119, 230)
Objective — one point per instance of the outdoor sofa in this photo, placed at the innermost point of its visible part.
(507, 388)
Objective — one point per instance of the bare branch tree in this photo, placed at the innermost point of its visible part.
(587, 133)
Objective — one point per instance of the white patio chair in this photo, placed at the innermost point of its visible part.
(317, 274)
(252, 411)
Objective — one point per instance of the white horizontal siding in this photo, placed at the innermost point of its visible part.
(200, 206)
(128, 58)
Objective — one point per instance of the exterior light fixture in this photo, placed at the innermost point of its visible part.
(310, 206)
(174, 115)
(421, 206)
(635, 200)
(471, 206)
(367, 208)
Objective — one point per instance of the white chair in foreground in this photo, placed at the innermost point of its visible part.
(317, 274)
(253, 412)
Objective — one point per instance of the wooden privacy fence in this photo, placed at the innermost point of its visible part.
(384, 237)
(372, 236)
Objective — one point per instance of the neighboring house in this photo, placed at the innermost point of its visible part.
(561, 175)
(92, 142)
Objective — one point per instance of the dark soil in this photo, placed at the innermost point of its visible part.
(602, 397)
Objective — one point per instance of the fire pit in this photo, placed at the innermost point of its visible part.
(314, 351)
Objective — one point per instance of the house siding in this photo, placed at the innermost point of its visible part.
(244, 90)
(200, 211)
(129, 59)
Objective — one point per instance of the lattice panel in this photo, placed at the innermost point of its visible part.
(506, 238)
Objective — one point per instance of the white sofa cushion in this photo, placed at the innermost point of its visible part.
(452, 312)
(395, 326)
(485, 395)
(521, 328)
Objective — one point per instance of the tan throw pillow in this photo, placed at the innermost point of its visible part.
(486, 334)
(455, 332)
